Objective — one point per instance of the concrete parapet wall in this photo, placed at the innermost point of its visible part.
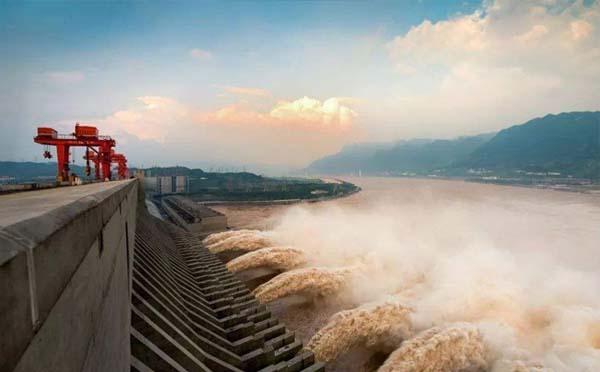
(65, 278)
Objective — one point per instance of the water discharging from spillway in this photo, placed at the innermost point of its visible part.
(280, 258)
(217, 237)
(520, 366)
(384, 325)
(520, 271)
(457, 347)
(310, 282)
(242, 241)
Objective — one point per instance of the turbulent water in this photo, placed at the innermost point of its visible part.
(238, 241)
(310, 282)
(453, 348)
(217, 237)
(516, 268)
(385, 325)
(281, 258)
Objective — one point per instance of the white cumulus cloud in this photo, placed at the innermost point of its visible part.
(507, 62)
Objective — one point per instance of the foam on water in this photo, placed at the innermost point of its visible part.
(519, 366)
(310, 282)
(384, 325)
(248, 241)
(217, 237)
(519, 264)
(281, 258)
(457, 347)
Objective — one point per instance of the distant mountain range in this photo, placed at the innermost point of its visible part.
(17, 171)
(567, 143)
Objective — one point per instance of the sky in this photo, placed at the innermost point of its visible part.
(278, 84)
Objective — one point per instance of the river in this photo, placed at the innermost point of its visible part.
(519, 264)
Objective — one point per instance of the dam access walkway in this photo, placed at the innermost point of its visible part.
(90, 281)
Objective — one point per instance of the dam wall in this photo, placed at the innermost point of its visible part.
(65, 277)
(90, 281)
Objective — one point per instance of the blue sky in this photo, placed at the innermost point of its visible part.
(237, 73)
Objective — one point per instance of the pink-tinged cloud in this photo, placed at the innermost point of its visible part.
(201, 54)
(305, 111)
(580, 29)
(291, 132)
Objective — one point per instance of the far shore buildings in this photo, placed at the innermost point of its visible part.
(167, 184)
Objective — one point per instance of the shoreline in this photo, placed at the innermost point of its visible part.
(591, 189)
(356, 190)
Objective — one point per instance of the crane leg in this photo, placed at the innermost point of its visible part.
(62, 157)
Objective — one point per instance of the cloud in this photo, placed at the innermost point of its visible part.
(304, 111)
(536, 33)
(201, 54)
(487, 36)
(505, 63)
(65, 77)
(246, 91)
(430, 42)
(290, 132)
(580, 30)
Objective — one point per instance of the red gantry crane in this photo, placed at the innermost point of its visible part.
(84, 136)
(116, 158)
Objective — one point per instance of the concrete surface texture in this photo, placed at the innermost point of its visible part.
(194, 217)
(65, 274)
(90, 281)
(189, 313)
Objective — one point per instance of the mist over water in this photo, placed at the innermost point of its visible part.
(517, 268)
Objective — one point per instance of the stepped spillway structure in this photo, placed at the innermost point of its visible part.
(186, 305)
(90, 281)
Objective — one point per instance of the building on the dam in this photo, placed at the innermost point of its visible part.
(90, 281)
(167, 184)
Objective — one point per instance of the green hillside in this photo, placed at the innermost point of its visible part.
(564, 143)
(33, 172)
(567, 144)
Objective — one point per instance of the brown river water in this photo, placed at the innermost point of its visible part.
(444, 275)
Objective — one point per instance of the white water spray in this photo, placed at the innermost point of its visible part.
(458, 347)
(310, 282)
(280, 258)
(383, 324)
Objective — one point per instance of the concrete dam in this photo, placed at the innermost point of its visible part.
(90, 281)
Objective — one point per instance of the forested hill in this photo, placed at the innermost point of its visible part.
(567, 143)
